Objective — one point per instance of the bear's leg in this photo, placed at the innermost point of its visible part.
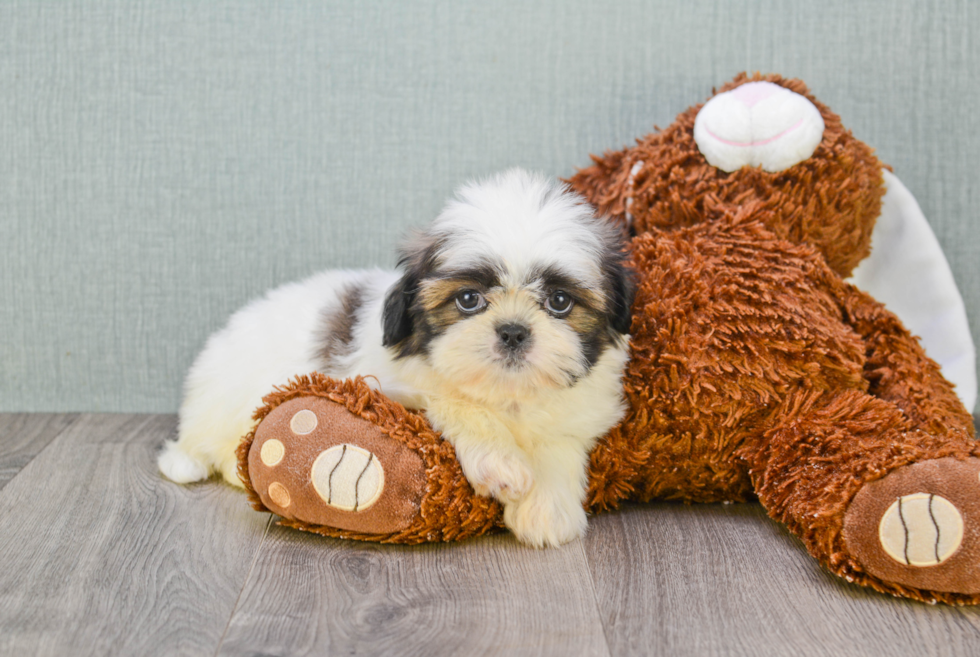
(340, 459)
(916, 507)
(899, 371)
(875, 498)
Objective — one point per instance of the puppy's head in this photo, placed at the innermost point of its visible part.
(516, 286)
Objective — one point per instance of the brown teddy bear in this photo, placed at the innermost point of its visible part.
(756, 371)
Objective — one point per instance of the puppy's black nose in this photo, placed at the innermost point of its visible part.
(513, 335)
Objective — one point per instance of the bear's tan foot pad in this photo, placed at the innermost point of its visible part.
(312, 460)
(919, 526)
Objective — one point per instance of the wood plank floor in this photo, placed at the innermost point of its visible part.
(101, 556)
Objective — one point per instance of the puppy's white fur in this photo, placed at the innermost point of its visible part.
(522, 421)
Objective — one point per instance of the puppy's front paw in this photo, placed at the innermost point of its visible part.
(546, 519)
(502, 476)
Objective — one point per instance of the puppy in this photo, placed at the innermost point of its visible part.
(507, 323)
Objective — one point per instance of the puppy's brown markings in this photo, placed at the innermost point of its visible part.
(437, 299)
(583, 319)
(591, 316)
(338, 329)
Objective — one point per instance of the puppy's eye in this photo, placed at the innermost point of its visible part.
(470, 301)
(559, 303)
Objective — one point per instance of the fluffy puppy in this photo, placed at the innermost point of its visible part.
(507, 323)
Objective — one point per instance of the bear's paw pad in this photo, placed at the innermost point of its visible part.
(919, 526)
(313, 461)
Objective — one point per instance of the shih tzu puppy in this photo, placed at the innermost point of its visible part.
(506, 322)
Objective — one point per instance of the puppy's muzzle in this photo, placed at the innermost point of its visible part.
(514, 337)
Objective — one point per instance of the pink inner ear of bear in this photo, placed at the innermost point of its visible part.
(754, 92)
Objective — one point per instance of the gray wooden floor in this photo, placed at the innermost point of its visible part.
(100, 556)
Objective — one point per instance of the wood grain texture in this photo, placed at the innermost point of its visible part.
(487, 596)
(726, 580)
(24, 435)
(102, 556)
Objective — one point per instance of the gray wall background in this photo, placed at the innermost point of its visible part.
(163, 162)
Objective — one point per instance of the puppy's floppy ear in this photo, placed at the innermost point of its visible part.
(622, 289)
(397, 318)
(418, 260)
(620, 282)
